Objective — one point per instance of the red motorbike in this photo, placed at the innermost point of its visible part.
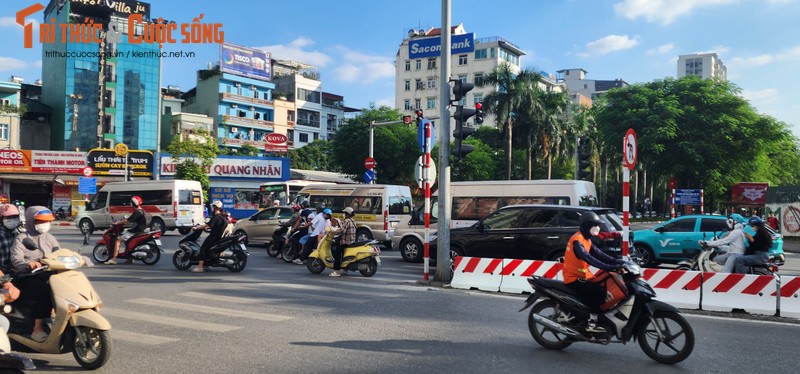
(145, 246)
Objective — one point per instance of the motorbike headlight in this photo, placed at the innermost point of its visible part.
(70, 262)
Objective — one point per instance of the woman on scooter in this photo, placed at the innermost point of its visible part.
(139, 222)
(34, 290)
(348, 237)
(218, 223)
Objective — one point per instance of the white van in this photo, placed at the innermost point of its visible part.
(471, 201)
(378, 208)
(167, 204)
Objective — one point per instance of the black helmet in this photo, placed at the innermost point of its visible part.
(304, 204)
(590, 217)
(320, 208)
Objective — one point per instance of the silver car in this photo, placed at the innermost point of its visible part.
(259, 227)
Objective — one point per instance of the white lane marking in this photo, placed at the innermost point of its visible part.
(169, 321)
(732, 319)
(136, 337)
(271, 302)
(313, 287)
(228, 312)
(227, 299)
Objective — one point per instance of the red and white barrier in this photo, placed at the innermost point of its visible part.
(790, 296)
(515, 274)
(475, 272)
(676, 287)
(726, 291)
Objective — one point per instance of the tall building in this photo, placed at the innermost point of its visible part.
(300, 84)
(10, 114)
(581, 88)
(97, 100)
(703, 65)
(417, 74)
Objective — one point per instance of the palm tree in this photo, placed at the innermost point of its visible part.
(551, 128)
(512, 89)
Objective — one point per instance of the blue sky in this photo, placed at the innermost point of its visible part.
(354, 42)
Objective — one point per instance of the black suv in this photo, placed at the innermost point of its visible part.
(532, 232)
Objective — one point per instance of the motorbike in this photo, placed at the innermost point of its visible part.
(703, 260)
(77, 326)
(275, 248)
(360, 256)
(228, 252)
(145, 246)
(11, 362)
(558, 318)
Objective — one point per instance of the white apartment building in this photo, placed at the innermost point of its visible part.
(417, 79)
(581, 88)
(703, 65)
(300, 83)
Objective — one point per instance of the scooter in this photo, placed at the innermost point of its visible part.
(361, 256)
(78, 325)
(11, 362)
(703, 260)
(275, 248)
(145, 246)
(558, 317)
(228, 252)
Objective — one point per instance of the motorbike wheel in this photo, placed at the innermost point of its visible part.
(369, 268)
(239, 262)
(184, 230)
(273, 249)
(315, 265)
(182, 260)
(100, 253)
(543, 335)
(153, 255)
(288, 253)
(677, 342)
(97, 348)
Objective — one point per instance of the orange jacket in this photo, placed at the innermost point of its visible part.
(575, 268)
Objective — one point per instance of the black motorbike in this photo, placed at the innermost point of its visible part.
(229, 252)
(558, 318)
(293, 249)
(275, 248)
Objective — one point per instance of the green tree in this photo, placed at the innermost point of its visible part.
(193, 155)
(317, 155)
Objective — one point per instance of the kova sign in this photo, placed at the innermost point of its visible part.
(432, 47)
(249, 62)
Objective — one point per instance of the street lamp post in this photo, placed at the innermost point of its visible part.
(73, 136)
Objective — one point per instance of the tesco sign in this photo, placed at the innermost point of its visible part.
(432, 47)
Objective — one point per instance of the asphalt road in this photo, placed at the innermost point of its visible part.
(278, 318)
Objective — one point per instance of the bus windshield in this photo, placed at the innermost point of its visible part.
(272, 192)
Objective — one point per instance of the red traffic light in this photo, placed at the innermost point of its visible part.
(418, 112)
(478, 106)
(407, 120)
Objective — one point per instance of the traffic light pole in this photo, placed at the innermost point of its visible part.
(443, 226)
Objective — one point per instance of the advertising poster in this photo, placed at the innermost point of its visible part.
(249, 62)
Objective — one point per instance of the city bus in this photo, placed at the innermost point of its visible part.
(378, 208)
(285, 192)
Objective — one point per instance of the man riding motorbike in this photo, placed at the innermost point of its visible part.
(581, 253)
(217, 225)
(35, 290)
(139, 222)
(760, 243)
(734, 239)
(315, 228)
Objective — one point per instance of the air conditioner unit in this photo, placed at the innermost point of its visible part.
(234, 106)
(238, 84)
(234, 129)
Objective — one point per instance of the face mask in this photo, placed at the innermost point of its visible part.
(11, 223)
(42, 227)
(594, 230)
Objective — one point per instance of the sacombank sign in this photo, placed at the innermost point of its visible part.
(431, 47)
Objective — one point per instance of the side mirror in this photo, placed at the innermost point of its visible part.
(29, 244)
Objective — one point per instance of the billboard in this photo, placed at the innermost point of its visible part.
(749, 193)
(431, 47)
(238, 167)
(33, 161)
(107, 162)
(244, 61)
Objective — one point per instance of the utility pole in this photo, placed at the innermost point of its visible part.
(443, 224)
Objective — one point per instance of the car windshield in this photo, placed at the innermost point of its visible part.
(612, 221)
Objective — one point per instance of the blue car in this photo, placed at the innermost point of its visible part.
(668, 242)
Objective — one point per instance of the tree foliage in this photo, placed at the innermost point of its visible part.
(315, 156)
(193, 155)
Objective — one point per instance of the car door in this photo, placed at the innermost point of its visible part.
(674, 236)
(542, 237)
(258, 228)
(494, 236)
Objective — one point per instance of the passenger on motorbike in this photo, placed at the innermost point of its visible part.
(293, 223)
(760, 243)
(317, 228)
(581, 253)
(347, 237)
(35, 290)
(734, 239)
(139, 222)
(217, 225)
(9, 217)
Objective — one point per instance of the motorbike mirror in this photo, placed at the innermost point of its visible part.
(29, 244)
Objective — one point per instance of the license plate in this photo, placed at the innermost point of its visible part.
(378, 259)
(242, 246)
(158, 242)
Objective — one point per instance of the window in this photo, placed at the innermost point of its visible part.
(303, 137)
(431, 63)
(407, 105)
(257, 115)
(189, 197)
(242, 114)
(478, 98)
(266, 214)
(682, 225)
(431, 103)
(157, 197)
(417, 104)
(407, 85)
(419, 84)
(713, 225)
(503, 219)
(255, 94)
(316, 136)
(408, 65)
(491, 52)
(4, 131)
(399, 205)
(285, 213)
(462, 60)
(539, 218)
(308, 95)
(479, 79)
(99, 201)
(480, 54)
(121, 198)
(431, 83)
(419, 64)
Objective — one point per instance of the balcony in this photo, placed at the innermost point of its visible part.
(245, 99)
(248, 122)
(308, 122)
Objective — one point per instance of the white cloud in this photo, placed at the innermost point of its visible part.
(608, 44)
(296, 50)
(761, 96)
(11, 64)
(362, 68)
(662, 11)
(386, 101)
(790, 54)
(12, 22)
(38, 63)
(662, 49)
(719, 50)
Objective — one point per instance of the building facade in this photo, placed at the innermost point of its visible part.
(100, 98)
(10, 114)
(703, 65)
(300, 84)
(581, 88)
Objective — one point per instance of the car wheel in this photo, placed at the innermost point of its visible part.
(363, 235)
(644, 255)
(558, 257)
(157, 225)
(411, 250)
(86, 226)
(454, 252)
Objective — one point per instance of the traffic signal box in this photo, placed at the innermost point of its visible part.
(461, 115)
(584, 158)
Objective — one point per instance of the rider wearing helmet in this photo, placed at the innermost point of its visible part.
(9, 217)
(293, 222)
(218, 223)
(139, 222)
(760, 243)
(579, 254)
(734, 239)
(34, 290)
(317, 229)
